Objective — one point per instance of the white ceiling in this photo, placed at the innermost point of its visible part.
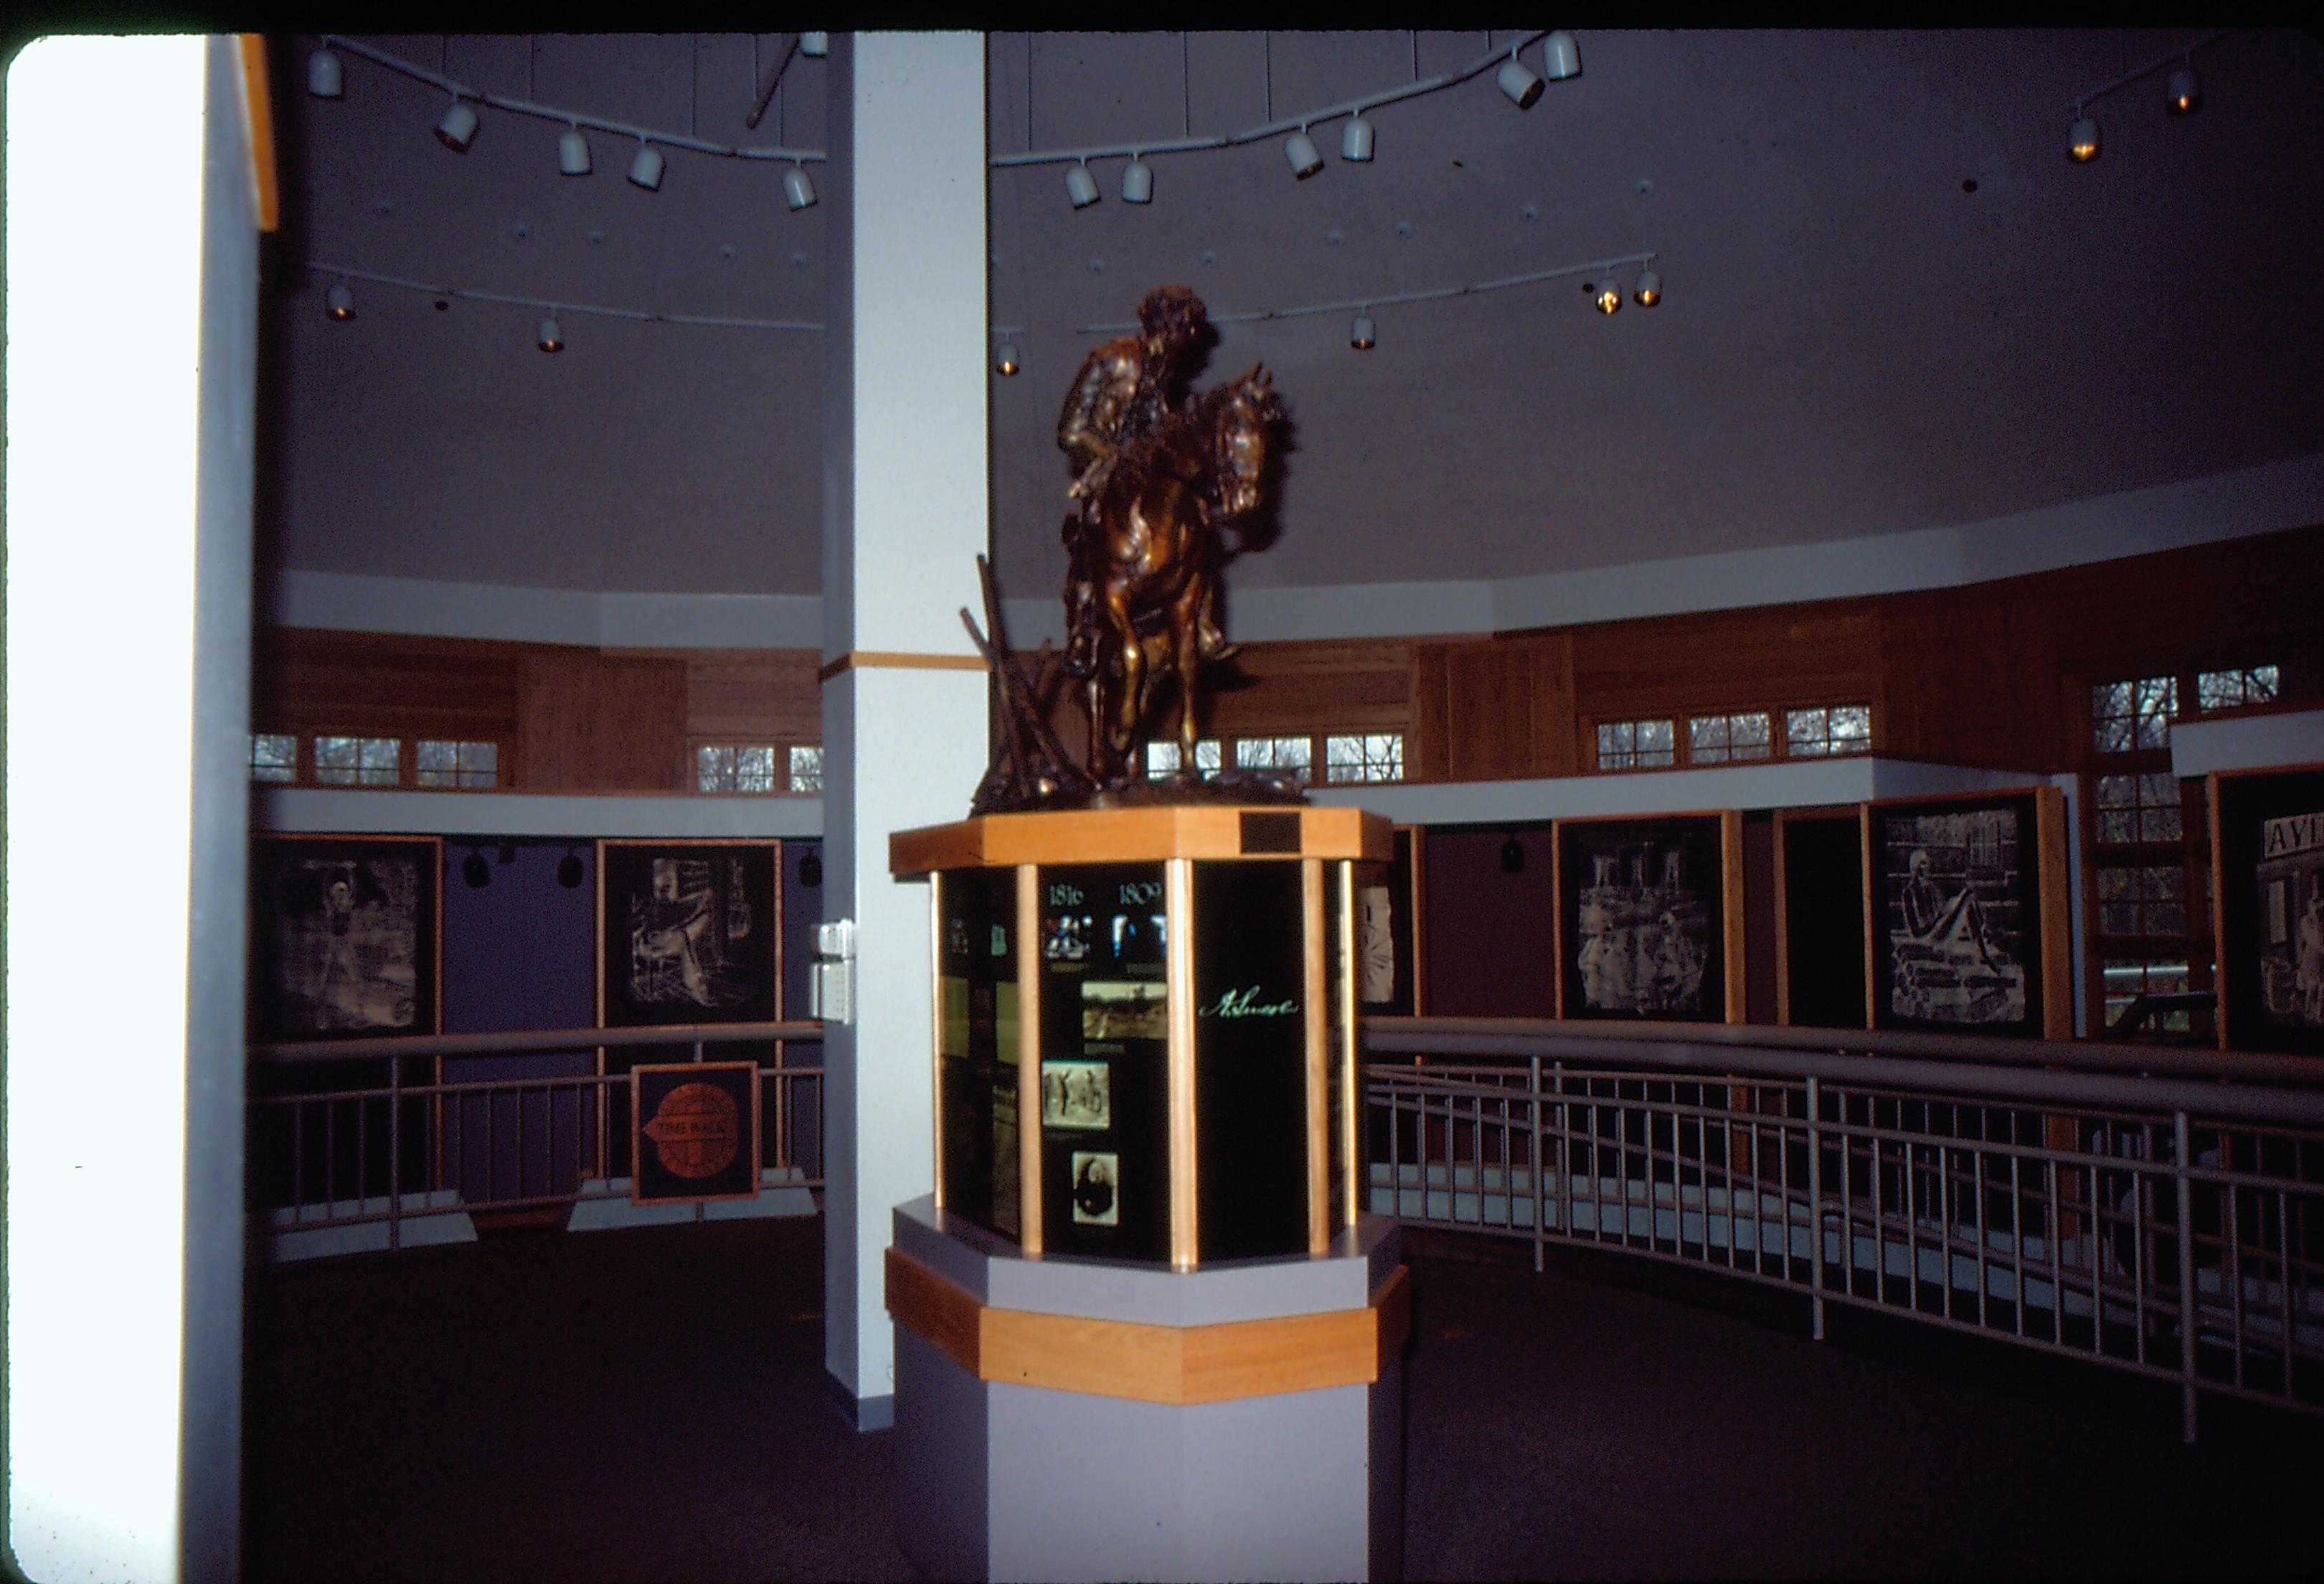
(1851, 343)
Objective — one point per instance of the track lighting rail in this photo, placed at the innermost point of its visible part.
(1282, 123)
(676, 140)
(2074, 105)
(558, 305)
(1599, 265)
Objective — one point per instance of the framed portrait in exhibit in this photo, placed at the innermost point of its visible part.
(1965, 908)
(346, 936)
(688, 932)
(1820, 927)
(1649, 924)
(2267, 901)
(1390, 960)
(697, 1131)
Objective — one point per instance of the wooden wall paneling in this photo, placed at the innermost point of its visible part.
(753, 695)
(556, 720)
(642, 725)
(1556, 742)
(1427, 749)
(307, 681)
(1352, 684)
(2056, 920)
(1489, 711)
(1965, 674)
(1664, 666)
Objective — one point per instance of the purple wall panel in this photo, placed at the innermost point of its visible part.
(1490, 933)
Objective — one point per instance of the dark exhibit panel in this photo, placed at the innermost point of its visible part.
(977, 1048)
(1490, 900)
(1251, 1060)
(1822, 924)
(2268, 898)
(1105, 1053)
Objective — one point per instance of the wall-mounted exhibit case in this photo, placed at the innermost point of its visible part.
(1145, 1026)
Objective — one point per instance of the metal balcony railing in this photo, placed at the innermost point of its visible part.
(2152, 1209)
(346, 1132)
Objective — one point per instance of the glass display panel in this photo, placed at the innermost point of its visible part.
(1339, 903)
(1251, 1061)
(977, 1046)
(1105, 1061)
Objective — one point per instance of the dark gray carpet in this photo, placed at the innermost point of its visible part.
(649, 1405)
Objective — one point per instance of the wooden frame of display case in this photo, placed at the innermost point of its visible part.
(1050, 860)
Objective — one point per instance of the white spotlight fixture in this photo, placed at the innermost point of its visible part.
(457, 130)
(1005, 362)
(1137, 181)
(1649, 290)
(1522, 86)
(798, 190)
(814, 45)
(339, 304)
(1300, 150)
(1081, 187)
(1609, 295)
(322, 75)
(573, 153)
(2182, 95)
(1356, 142)
(645, 170)
(1363, 333)
(552, 335)
(1560, 58)
(2083, 141)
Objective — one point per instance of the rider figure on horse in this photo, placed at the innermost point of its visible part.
(1127, 390)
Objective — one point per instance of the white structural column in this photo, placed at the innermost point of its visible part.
(904, 696)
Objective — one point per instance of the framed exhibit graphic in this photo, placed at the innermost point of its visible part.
(2267, 902)
(1649, 919)
(1819, 917)
(346, 936)
(1391, 959)
(1965, 898)
(688, 932)
(697, 1131)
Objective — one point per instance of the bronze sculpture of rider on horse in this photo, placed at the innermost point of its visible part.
(1127, 391)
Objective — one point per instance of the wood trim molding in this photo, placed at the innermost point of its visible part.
(259, 122)
(1175, 1365)
(895, 660)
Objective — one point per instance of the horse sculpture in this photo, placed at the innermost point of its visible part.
(1151, 555)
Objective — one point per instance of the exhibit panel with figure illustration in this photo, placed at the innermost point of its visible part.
(688, 932)
(345, 935)
(1649, 922)
(2267, 845)
(1966, 914)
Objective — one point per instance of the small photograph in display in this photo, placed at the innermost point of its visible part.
(1124, 1009)
(1096, 1177)
(1376, 944)
(1068, 938)
(1076, 1094)
(1137, 935)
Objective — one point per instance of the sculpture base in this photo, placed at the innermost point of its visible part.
(1070, 1419)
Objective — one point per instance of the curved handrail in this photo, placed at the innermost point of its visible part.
(524, 1039)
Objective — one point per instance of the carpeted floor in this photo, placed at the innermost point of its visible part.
(649, 1405)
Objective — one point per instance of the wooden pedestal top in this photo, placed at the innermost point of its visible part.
(1144, 835)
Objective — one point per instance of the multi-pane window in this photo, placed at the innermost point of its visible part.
(456, 763)
(1635, 744)
(807, 769)
(734, 767)
(2150, 899)
(2125, 978)
(2232, 689)
(2128, 715)
(1366, 756)
(2137, 808)
(1828, 729)
(1162, 759)
(358, 760)
(273, 757)
(1717, 739)
(1286, 756)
